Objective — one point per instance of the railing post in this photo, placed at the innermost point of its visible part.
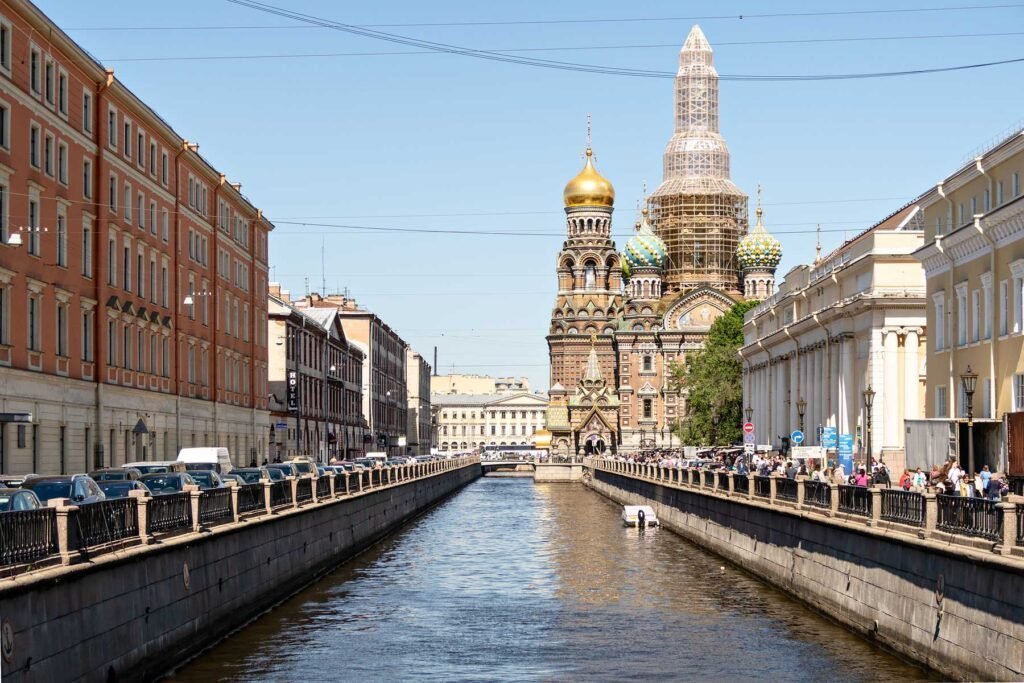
(931, 515)
(772, 487)
(1009, 539)
(67, 539)
(267, 485)
(833, 499)
(689, 476)
(801, 491)
(312, 488)
(346, 483)
(332, 485)
(750, 486)
(876, 505)
(714, 482)
(234, 500)
(294, 483)
(194, 494)
(142, 511)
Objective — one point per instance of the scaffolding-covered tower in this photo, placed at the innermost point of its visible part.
(697, 210)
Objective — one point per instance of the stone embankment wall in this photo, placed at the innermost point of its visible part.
(136, 614)
(958, 611)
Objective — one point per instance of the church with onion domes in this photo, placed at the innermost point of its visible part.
(622, 321)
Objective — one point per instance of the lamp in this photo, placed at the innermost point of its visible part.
(969, 381)
(801, 410)
(14, 240)
(869, 400)
(749, 412)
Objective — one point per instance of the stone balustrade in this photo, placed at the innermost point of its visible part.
(969, 522)
(65, 534)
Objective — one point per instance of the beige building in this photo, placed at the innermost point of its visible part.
(466, 422)
(417, 385)
(973, 258)
(477, 384)
(854, 320)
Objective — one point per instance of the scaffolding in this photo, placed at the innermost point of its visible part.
(697, 210)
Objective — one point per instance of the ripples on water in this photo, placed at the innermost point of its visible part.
(511, 580)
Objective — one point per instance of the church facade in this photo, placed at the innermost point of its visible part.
(622, 321)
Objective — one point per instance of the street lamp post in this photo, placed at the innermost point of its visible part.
(715, 417)
(869, 399)
(749, 411)
(801, 410)
(969, 380)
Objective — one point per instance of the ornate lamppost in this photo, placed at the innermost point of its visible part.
(969, 381)
(869, 399)
(749, 412)
(801, 410)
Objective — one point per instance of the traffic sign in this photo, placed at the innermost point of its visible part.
(828, 437)
(797, 437)
(748, 428)
(846, 452)
(748, 448)
(749, 438)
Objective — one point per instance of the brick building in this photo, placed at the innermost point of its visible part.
(132, 273)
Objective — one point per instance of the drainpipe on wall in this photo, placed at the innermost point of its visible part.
(99, 246)
(178, 296)
(992, 271)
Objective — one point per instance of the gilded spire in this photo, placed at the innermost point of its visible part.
(593, 372)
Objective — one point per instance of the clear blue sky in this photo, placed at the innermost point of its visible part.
(382, 140)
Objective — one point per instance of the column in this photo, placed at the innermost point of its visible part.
(890, 418)
(911, 407)
(794, 389)
(814, 404)
(833, 384)
(847, 387)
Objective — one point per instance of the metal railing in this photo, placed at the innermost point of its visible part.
(708, 477)
(250, 497)
(723, 481)
(969, 516)
(785, 488)
(169, 512)
(215, 506)
(762, 486)
(741, 483)
(27, 535)
(303, 490)
(817, 494)
(1020, 525)
(280, 493)
(107, 521)
(855, 500)
(905, 507)
(323, 487)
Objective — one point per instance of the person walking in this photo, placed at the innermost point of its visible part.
(861, 479)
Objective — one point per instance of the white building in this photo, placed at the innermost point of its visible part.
(465, 422)
(854, 320)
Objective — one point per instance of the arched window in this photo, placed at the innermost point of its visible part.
(590, 275)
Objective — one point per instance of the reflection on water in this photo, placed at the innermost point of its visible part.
(511, 580)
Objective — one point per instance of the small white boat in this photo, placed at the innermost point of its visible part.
(632, 514)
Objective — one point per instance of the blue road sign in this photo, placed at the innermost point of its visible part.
(749, 438)
(846, 452)
(828, 437)
(797, 437)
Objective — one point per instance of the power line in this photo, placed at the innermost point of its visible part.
(579, 67)
(805, 41)
(533, 22)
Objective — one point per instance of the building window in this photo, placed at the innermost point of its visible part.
(1004, 307)
(62, 163)
(163, 285)
(112, 128)
(48, 154)
(87, 179)
(941, 408)
(940, 321)
(62, 93)
(648, 364)
(163, 168)
(87, 248)
(33, 145)
(648, 408)
(33, 322)
(87, 332)
(5, 126)
(112, 260)
(127, 140)
(140, 276)
(1018, 393)
(126, 267)
(112, 201)
(49, 81)
(34, 64)
(127, 203)
(140, 203)
(152, 158)
(111, 343)
(141, 150)
(4, 313)
(5, 46)
(62, 240)
(33, 226)
(975, 315)
(3, 213)
(62, 330)
(1015, 184)
(140, 349)
(165, 358)
(127, 350)
(87, 112)
(590, 276)
(165, 225)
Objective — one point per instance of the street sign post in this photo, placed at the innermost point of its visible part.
(748, 447)
(748, 428)
(797, 437)
(749, 438)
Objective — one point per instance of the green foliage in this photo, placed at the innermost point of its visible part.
(713, 380)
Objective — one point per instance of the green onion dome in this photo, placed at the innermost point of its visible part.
(645, 249)
(759, 249)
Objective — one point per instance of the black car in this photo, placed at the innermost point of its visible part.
(285, 468)
(252, 475)
(116, 474)
(121, 489)
(80, 488)
(12, 500)
(207, 479)
(165, 483)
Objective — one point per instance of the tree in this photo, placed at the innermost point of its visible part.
(712, 378)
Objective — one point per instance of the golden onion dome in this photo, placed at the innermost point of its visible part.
(589, 188)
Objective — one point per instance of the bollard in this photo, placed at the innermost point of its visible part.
(266, 496)
(876, 505)
(931, 516)
(234, 500)
(1009, 540)
(833, 498)
(142, 510)
(67, 539)
(194, 494)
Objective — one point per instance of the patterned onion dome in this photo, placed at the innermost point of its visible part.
(759, 249)
(589, 188)
(645, 249)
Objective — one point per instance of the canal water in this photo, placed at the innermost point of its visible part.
(514, 581)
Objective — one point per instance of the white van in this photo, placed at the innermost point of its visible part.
(206, 458)
(377, 457)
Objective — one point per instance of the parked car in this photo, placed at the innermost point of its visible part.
(78, 487)
(156, 466)
(303, 467)
(114, 488)
(13, 500)
(14, 481)
(275, 473)
(207, 479)
(115, 474)
(367, 463)
(287, 469)
(164, 483)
